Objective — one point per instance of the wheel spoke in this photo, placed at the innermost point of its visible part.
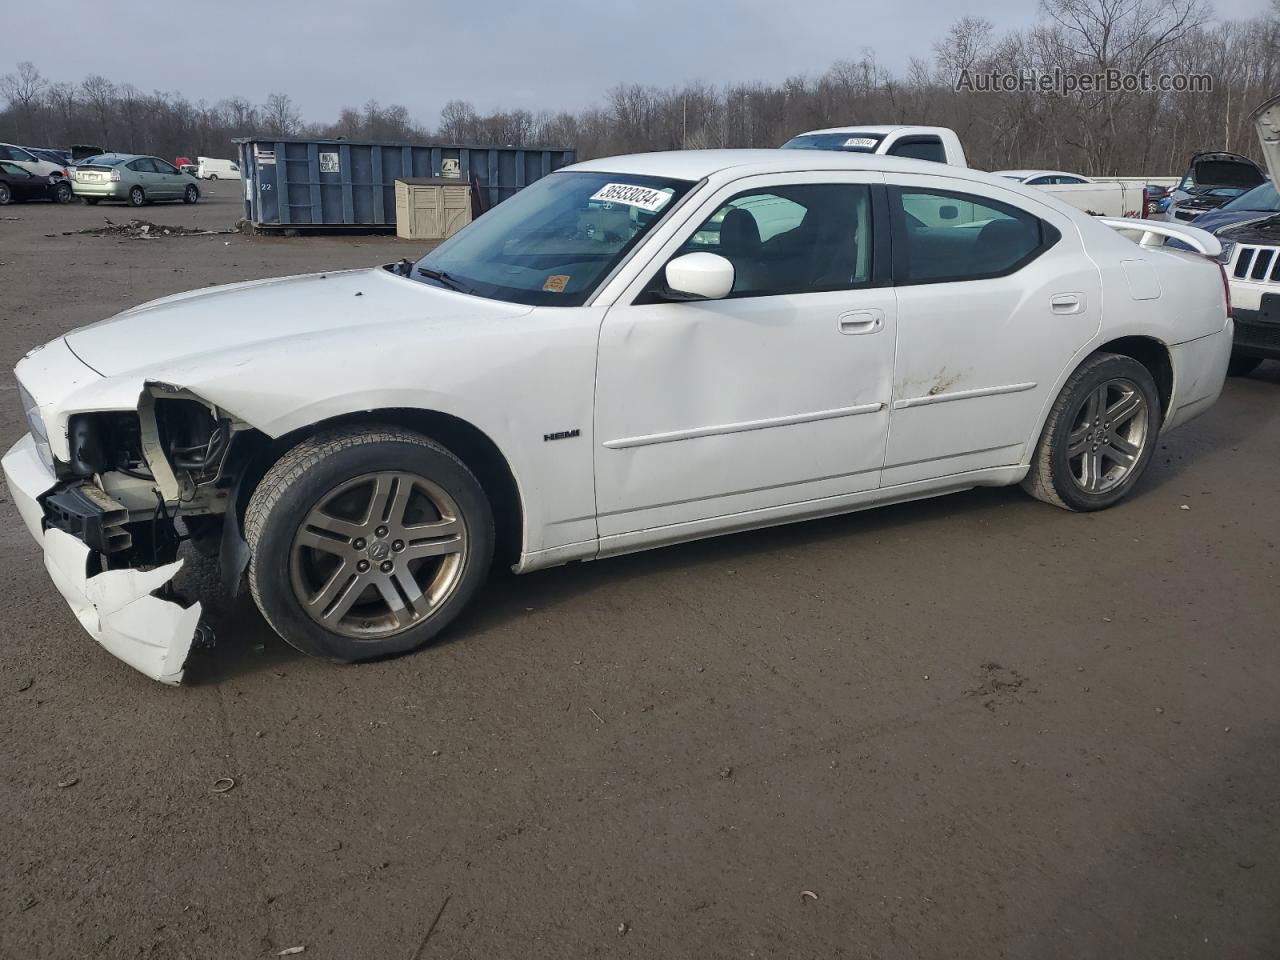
(438, 547)
(1118, 455)
(384, 487)
(1130, 450)
(1078, 442)
(337, 595)
(1124, 409)
(332, 524)
(318, 541)
(1091, 470)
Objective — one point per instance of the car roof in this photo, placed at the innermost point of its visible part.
(700, 164)
(1037, 173)
(878, 129)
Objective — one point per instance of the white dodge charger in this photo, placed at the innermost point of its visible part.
(631, 352)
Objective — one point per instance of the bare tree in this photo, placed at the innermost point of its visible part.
(279, 116)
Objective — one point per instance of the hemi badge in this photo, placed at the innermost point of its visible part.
(561, 435)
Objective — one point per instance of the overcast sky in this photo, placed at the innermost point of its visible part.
(559, 55)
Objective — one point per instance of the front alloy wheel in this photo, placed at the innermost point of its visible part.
(366, 543)
(378, 554)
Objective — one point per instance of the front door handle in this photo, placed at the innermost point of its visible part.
(1067, 303)
(861, 321)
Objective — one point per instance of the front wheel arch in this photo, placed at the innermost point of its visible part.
(463, 439)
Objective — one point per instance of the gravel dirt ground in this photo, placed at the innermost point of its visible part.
(970, 727)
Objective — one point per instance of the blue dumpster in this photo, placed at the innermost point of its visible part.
(345, 183)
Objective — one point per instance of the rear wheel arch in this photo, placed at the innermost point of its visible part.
(1152, 354)
(463, 439)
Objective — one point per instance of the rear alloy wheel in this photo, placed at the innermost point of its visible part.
(62, 193)
(191, 196)
(6, 195)
(1099, 436)
(136, 197)
(1240, 366)
(365, 544)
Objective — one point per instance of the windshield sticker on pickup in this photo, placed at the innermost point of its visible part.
(556, 283)
(646, 198)
(860, 142)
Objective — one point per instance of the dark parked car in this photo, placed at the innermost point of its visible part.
(18, 184)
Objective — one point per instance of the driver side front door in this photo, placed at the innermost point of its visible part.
(767, 403)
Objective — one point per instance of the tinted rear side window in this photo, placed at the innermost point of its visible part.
(940, 235)
(919, 148)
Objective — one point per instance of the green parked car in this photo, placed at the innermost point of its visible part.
(136, 180)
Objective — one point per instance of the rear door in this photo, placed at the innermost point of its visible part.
(995, 296)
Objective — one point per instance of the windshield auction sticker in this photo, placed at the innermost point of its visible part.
(860, 142)
(556, 283)
(646, 198)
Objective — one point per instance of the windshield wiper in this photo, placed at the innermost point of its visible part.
(440, 276)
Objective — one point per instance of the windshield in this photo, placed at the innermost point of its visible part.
(851, 141)
(554, 241)
(1262, 197)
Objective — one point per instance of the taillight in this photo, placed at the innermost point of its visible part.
(66, 174)
(1226, 286)
(115, 176)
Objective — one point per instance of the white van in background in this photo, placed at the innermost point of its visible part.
(212, 169)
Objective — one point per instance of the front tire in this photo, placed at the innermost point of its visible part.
(1240, 366)
(1099, 437)
(191, 196)
(6, 195)
(366, 543)
(136, 197)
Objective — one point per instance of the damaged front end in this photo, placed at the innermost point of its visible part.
(133, 486)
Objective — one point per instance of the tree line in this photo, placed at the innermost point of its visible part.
(1093, 131)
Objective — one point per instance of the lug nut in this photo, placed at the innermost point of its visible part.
(397, 546)
(387, 566)
(358, 543)
(381, 531)
(362, 566)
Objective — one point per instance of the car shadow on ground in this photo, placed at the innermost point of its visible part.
(246, 644)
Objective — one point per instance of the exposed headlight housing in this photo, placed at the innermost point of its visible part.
(1228, 248)
(36, 424)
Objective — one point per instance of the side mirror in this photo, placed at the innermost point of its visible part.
(699, 276)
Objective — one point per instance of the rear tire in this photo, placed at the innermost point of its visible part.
(62, 193)
(1240, 366)
(6, 195)
(136, 197)
(366, 543)
(1099, 436)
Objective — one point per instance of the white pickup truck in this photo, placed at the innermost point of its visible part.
(1105, 198)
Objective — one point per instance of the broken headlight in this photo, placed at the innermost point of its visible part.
(36, 423)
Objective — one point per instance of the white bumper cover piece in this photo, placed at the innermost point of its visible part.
(116, 607)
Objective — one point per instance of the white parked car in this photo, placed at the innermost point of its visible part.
(29, 162)
(630, 352)
(210, 168)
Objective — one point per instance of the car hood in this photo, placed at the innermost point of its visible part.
(197, 326)
(1266, 124)
(1262, 229)
(1216, 220)
(1212, 170)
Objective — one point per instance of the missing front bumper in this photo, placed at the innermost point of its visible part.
(118, 608)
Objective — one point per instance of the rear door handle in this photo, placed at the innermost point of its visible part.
(1067, 303)
(861, 321)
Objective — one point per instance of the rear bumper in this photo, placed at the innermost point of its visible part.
(116, 607)
(105, 190)
(1256, 337)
